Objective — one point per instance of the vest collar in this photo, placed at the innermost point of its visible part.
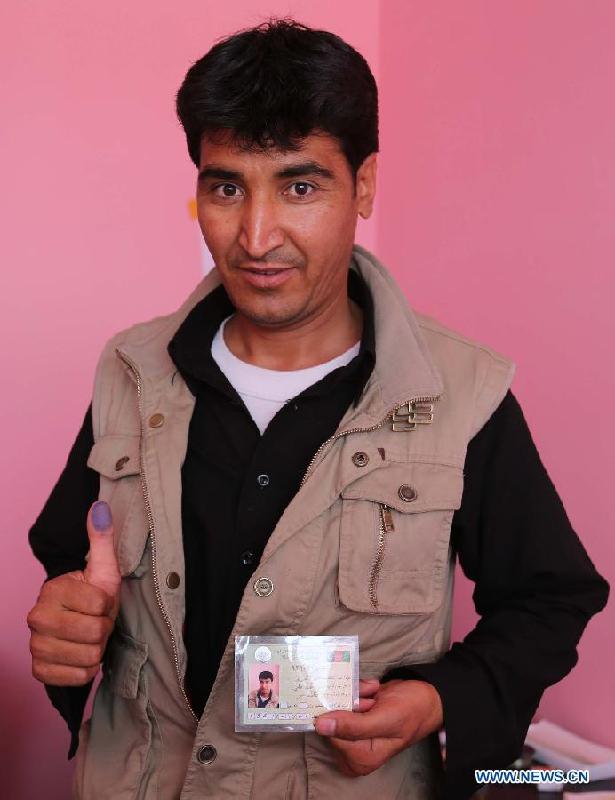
(404, 369)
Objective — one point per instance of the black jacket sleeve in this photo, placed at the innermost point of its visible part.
(59, 540)
(535, 590)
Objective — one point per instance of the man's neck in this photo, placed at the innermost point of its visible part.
(296, 347)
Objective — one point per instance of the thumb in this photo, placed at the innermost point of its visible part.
(102, 569)
(373, 722)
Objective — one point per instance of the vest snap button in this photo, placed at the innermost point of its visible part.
(263, 587)
(156, 420)
(207, 754)
(121, 462)
(360, 458)
(407, 493)
(172, 580)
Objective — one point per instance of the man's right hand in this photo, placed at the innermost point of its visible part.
(75, 613)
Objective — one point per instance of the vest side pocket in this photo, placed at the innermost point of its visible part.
(117, 460)
(394, 538)
(122, 750)
(124, 663)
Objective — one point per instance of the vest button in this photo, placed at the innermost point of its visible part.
(407, 493)
(263, 587)
(156, 421)
(263, 480)
(121, 462)
(360, 458)
(207, 754)
(173, 580)
(247, 558)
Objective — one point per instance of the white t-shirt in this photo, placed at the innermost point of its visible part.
(265, 391)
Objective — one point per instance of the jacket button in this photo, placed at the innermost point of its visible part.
(360, 458)
(173, 580)
(263, 587)
(207, 754)
(156, 420)
(263, 480)
(120, 463)
(407, 493)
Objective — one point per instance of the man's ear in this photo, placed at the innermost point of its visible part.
(366, 185)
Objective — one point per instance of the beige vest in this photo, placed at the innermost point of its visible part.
(333, 561)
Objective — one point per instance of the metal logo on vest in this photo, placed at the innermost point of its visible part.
(413, 413)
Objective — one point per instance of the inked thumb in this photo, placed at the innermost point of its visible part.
(102, 569)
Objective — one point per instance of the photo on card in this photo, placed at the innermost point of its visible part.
(263, 686)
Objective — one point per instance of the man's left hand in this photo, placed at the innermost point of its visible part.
(391, 717)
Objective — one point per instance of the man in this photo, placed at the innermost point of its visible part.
(295, 451)
(263, 697)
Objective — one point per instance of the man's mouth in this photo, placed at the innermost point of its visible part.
(267, 277)
(258, 271)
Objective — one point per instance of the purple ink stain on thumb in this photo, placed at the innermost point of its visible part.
(101, 516)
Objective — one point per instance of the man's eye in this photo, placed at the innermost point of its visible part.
(301, 189)
(226, 190)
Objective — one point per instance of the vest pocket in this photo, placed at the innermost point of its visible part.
(394, 538)
(117, 460)
(125, 661)
(119, 757)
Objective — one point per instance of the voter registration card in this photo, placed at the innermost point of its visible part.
(283, 682)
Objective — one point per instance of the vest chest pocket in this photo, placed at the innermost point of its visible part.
(117, 460)
(394, 538)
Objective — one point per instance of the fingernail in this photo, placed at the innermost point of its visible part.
(326, 727)
(101, 516)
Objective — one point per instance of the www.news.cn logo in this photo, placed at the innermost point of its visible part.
(531, 776)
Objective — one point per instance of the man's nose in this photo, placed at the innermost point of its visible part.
(260, 227)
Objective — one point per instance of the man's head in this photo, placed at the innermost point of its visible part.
(272, 85)
(265, 679)
(282, 123)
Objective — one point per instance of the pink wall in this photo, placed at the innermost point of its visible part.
(495, 126)
(498, 181)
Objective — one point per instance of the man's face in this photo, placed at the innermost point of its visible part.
(280, 225)
(265, 686)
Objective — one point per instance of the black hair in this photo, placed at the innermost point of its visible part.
(273, 85)
(265, 674)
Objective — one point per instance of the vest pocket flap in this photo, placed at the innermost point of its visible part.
(115, 456)
(410, 488)
(126, 659)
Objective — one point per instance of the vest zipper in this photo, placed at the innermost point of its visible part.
(386, 525)
(363, 430)
(150, 519)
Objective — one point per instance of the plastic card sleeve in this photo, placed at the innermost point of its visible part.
(283, 682)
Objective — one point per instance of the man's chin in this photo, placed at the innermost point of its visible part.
(270, 317)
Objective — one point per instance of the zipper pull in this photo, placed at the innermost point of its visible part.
(387, 518)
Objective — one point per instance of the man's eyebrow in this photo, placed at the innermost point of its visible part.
(299, 170)
(304, 168)
(219, 172)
